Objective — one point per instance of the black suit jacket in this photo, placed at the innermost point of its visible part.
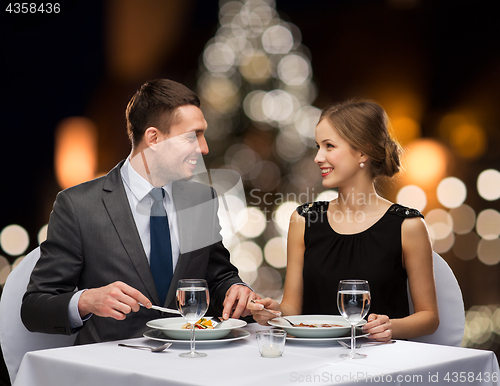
(92, 241)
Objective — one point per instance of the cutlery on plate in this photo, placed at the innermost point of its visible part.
(218, 323)
(275, 313)
(161, 348)
(162, 309)
(292, 324)
(358, 345)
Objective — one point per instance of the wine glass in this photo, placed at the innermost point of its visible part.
(353, 301)
(192, 301)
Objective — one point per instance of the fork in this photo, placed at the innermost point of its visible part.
(292, 324)
(358, 345)
(275, 313)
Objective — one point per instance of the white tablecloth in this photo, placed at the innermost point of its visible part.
(239, 363)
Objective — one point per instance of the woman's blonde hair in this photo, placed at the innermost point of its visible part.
(364, 125)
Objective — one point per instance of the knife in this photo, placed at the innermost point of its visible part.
(163, 309)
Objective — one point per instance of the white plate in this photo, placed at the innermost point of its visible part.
(171, 327)
(235, 334)
(312, 332)
(358, 335)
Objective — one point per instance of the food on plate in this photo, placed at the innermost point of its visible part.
(201, 324)
(318, 325)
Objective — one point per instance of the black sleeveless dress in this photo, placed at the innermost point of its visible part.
(374, 255)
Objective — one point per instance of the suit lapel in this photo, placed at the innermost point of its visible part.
(117, 205)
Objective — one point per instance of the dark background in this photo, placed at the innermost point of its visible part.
(53, 67)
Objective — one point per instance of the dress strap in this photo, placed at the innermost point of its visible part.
(403, 211)
(313, 207)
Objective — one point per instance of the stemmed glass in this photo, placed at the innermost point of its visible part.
(192, 301)
(353, 301)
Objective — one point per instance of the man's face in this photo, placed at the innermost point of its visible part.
(177, 152)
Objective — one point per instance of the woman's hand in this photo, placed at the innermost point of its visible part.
(379, 327)
(257, 309)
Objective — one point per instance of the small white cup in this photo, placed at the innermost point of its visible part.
(271, 343)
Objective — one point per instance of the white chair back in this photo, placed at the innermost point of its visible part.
(15, 339)
(450, 305)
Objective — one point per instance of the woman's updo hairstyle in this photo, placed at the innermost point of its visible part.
(364, 125)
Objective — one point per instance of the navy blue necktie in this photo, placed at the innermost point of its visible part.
(160, 260)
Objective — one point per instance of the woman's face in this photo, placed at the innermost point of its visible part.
(338, 161)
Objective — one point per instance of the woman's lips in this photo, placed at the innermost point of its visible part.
(325, 171)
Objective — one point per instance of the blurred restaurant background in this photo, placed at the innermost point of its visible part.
(264, 69)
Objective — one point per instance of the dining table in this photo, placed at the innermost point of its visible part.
(238, 362)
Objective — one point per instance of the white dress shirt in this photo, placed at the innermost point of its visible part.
(137, 190)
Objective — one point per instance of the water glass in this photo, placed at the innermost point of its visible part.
(192, 301)
(353, 301)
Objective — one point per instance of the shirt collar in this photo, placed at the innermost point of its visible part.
(139, 186)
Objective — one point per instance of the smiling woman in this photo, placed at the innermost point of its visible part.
(358, 235)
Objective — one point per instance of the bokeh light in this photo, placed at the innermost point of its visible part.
(281, 216)
(14, 239)
(412, 196)
(42, 234)
(467, 140)
(440, 224)
(268, 282)
(255, 224)
(220, 93)
(327, 195)
(232, 216)
(75, 151)
(305, 121)
(443, 245)
(496, 320)
(294, 69)
(425, 162)
(247, 257)
(242, 158)
(289, 147)
(465, 136)
(488, 224)
(218, 57)
(451, 192)
(478, 326)
(255, 67)
(277, 40)
(464, 219)
(252, 105)
(275, 252)
(488, 184)
(265, 175)
(278, 105)
(4, 269)
(488, 251)
(406, 129)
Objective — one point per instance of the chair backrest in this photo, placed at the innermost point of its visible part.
(15, 339)
(450, 305)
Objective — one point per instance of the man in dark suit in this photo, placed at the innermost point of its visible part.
(94, 267)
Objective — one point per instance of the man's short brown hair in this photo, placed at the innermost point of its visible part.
(155, 105)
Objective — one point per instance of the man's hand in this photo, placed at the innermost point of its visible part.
(115, 300)
(235, 303)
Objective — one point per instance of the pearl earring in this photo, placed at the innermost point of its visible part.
(362, 165)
